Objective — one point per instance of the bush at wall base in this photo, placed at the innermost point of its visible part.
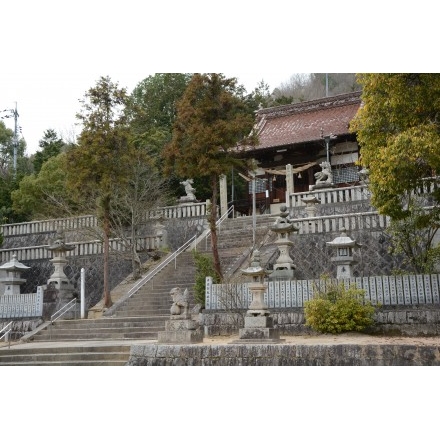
(339, 310)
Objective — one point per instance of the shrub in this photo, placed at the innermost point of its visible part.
(339, 310)
(204, 268)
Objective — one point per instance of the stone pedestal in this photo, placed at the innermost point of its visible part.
(186, 200)
(321, 186)
(258, 329)
(180, 330)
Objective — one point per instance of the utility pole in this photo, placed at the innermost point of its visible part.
(13, 113)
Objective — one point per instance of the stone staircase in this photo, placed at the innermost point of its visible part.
(153, 300)
(104, 329)
(137, 318)
(40, 354)
(235, 238)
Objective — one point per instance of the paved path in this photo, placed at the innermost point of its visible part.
(346, 338)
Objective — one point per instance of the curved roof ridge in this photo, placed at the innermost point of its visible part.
(311, 105)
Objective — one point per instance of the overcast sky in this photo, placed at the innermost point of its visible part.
(54, 51)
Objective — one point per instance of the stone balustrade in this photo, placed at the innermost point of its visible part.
(27, 305)
(332, 195)
(352, 193)
(334, 223)
(84, 248)
(385, 290)
(45, 226)
(90, 221)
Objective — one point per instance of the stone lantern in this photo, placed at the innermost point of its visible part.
(258, 324)
(13, 279)
(311, 202)
(283, 267)
(59, 248)
(344, 259)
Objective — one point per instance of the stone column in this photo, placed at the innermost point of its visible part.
(223, 195)
(289, 183)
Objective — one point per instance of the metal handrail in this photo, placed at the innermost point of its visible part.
(7, 333)
(67, 306)
(192, 242)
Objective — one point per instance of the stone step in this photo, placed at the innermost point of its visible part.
(139, 301)
(114, 336)
(139, 313)
(33, 355)
(107, 323)
(63, 357)
(79, 363)
(97, 331)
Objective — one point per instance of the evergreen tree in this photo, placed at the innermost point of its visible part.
(98, 164)
(212, 117)
(51, 145)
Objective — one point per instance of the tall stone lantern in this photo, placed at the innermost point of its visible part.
(258, 324)
(283, 269)
(59, 279)
(13, 279)
(344, 259)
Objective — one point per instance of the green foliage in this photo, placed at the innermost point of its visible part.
(10, 178)
(153, 101)
(45, 194)
(212, 117)
(204, 268)
(413, 238)
(339, 310)
(152, 111)
(398, 132)
(51, 145)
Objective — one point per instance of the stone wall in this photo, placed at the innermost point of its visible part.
(416, 320)
(284, 355)
(21, 327)
(312, 257)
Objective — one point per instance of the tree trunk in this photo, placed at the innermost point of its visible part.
(213, 227)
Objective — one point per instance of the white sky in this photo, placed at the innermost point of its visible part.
(53, 51)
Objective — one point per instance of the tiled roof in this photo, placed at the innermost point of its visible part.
(307, 121)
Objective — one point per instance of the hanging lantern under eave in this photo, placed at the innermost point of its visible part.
(344, 259)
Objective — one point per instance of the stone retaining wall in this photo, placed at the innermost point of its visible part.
(417, 320)
(284, 355)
